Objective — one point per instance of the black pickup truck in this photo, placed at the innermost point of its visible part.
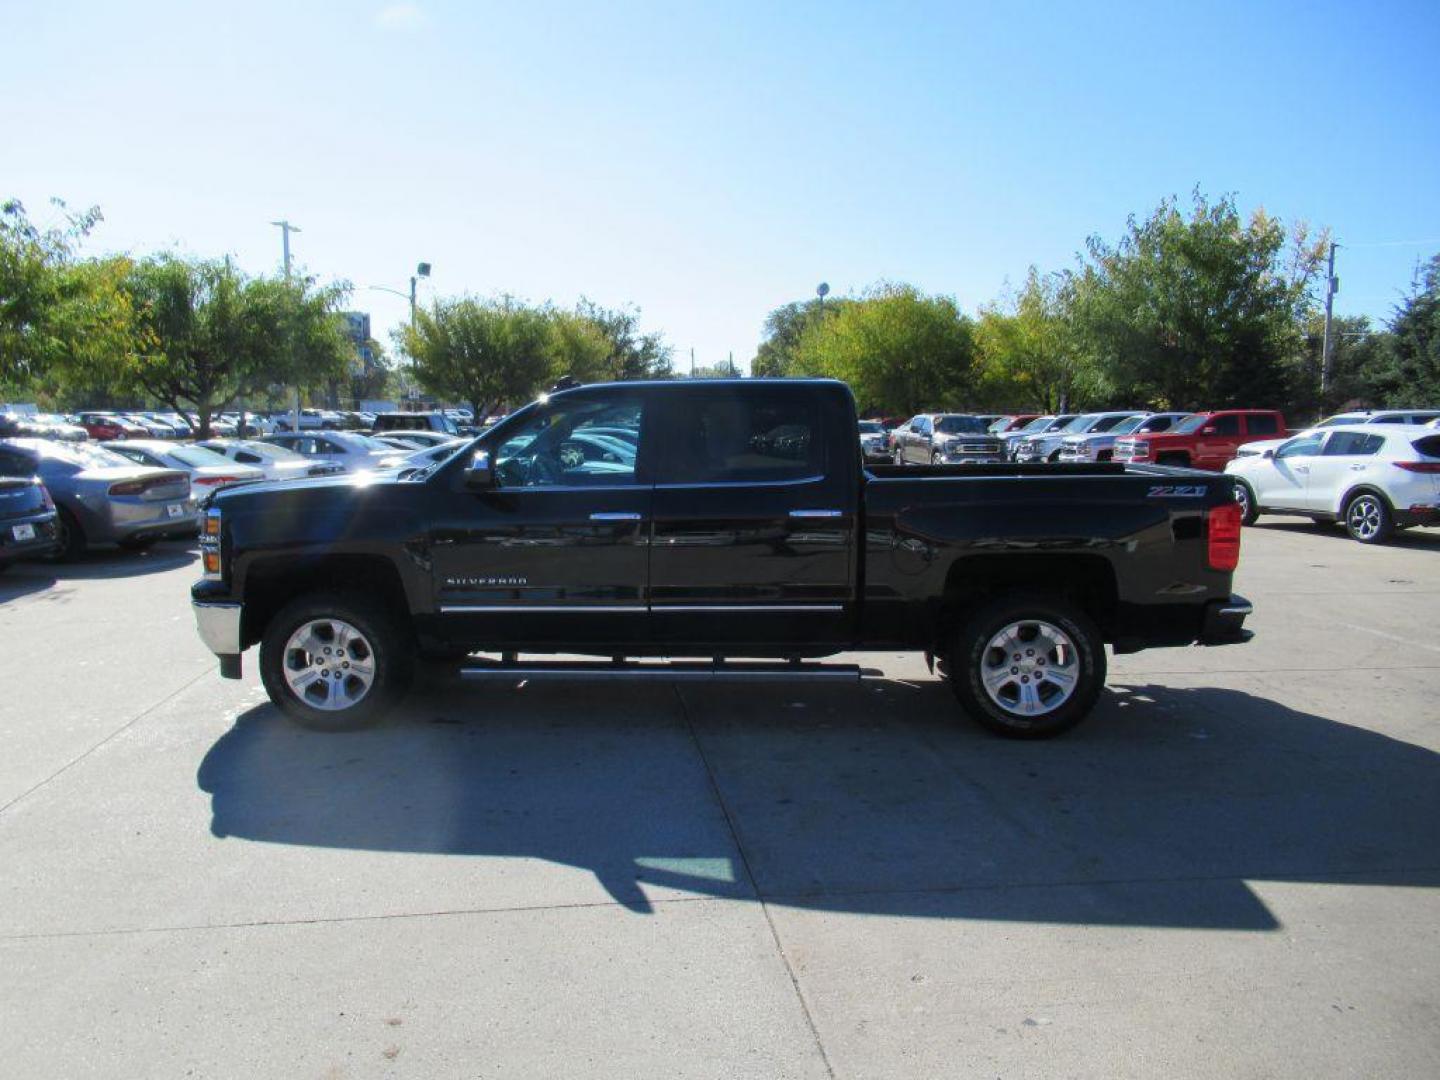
(705, 522)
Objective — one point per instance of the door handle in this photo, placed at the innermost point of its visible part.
(1302, 468)
(1357, 468)
(622, 515)
(817, 513)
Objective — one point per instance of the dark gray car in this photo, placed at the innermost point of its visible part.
(27, 520)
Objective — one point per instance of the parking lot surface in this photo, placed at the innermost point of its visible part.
(1233, 868)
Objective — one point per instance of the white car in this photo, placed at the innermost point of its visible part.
(276, 462)
(208, 470)
(354, 452)
(1373, 477)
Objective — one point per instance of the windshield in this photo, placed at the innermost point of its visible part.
(1194, 423)
(871, 427)
(1040, 423)
(1109, 423)
(1079, 423)
(197, 457)
(271, 451)
(85, 455)
(1129, 424)
(363, 442)
(960, 425)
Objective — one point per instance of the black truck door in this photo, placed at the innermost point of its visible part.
(558, 551)
(754, 515)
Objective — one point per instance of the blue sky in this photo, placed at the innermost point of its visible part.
(711, 162)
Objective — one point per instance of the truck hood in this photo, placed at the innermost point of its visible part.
(318, 489)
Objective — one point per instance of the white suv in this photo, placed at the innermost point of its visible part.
(1373, 477)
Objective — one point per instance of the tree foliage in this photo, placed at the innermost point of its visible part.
(481, 352)
(1029, 353)
(900, 350)
(209, 336)
(777, 355)
(632, 354)
(1406, 367)
(58, 314)
(1203, 310)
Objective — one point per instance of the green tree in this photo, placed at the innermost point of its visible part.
(59, 314)
(1198, 310)
(210, 336)
(900, 350)
(480, 352)
(579, 346)
(777, 355)
(1407, 362)
(632, 354)
(1029, 354)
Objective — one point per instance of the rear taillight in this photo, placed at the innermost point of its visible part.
(211, 481)
(129, 487)
(1418, 466)
(1223, 537)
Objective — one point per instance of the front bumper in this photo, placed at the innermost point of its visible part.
(218, 622)
(1224, 622)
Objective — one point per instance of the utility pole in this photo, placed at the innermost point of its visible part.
(1327, 343)
(285, 230)
(692, 361)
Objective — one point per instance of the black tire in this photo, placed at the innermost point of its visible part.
(935, 459)
(387, 641)
(1245, 497)
(971, 654)
(1177, 460)
(70, 536)
(1054, 457)
(1368, 518)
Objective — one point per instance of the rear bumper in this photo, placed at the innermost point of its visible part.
(42, 543)
(1224, 622)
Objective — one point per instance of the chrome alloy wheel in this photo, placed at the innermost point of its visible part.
(1364, 517)
(329, 664)
(1030, 668)
(1242, 496)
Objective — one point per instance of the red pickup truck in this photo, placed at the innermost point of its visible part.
(1203, 441)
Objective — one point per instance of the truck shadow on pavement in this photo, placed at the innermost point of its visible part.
(881, 799)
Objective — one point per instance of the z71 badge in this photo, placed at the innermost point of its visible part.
(1178, 491)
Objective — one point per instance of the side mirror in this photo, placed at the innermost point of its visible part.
(480, 473)
(1268, 453)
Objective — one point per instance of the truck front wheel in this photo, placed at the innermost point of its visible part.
(1027, 667)
(335, 661)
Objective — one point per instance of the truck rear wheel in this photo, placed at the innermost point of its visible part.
(1027, 667)
(335, 661)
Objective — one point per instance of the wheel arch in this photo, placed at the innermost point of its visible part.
(1088, 581)
(1352, 493)
(271, 583)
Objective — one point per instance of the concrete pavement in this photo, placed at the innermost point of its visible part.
(1232, 868)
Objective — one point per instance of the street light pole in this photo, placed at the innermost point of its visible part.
(285, 230)
(1327, 343)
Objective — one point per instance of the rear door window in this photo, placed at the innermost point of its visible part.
(1353, 444)
(1262, 425)
(1228, 425)
(745, 436)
